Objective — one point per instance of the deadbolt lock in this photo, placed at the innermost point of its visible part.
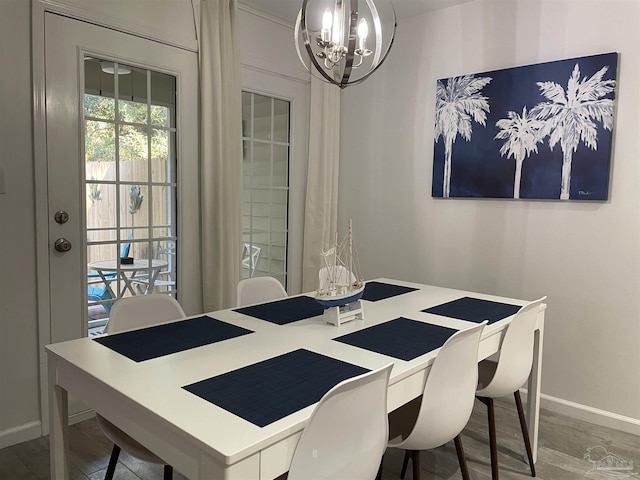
(61, 217)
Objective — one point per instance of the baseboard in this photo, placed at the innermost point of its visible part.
(81, 417)
(20, 433)
(589, 414)
(33, 430)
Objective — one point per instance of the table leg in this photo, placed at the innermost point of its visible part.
(58, 425)
(127, 283)
(153, 276)
(533, 391)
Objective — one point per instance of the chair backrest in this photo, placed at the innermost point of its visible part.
(250, 257)
(126, 248)
(347, 433)
(338, 274)
(516, 353)
(143, 311)
(449, 392)
(259, 289)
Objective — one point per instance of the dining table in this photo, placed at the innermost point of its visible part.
(227, 394)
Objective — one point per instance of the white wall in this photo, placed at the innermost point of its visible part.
(19, 407)
(584, 256)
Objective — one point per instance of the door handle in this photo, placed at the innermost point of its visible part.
(62, 245)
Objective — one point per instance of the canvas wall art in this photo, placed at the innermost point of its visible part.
(539, 131)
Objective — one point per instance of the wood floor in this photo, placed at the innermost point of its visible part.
(561, 454)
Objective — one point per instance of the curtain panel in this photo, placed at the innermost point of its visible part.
(321, 206)
(221, 152)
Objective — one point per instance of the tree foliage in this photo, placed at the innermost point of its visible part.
(134, 130)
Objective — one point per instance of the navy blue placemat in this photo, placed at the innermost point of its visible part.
(474, 310)
(272, 389)
(160, 340)
(374, 291)
(401, 338)
(284, 311)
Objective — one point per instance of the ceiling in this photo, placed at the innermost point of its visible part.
(288, 9)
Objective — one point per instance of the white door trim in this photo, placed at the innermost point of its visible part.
(131, 21)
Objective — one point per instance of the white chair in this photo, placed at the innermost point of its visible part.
(126, 314)
(258, 290)
(508, 374)
(347, 432)
(447, 401)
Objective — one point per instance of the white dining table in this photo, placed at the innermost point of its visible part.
(146, 399)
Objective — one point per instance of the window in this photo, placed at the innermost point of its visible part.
(266, 149)
(130, 178)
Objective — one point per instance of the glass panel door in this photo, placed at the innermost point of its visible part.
(130, 179)
(266, 148)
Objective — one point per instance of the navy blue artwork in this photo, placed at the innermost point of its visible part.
(539, 131)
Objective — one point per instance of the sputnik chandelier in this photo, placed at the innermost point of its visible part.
(344, 40)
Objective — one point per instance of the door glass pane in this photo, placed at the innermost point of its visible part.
(161, 141)
(99, 196)
(265, 127)
(280, 165)
(99, 107)
(130, 165)
(262, 117)
(134, 209)
(133, 153)
(163, 88)
(100, 150)
(280, 120)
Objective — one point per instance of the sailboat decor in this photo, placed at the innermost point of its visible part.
(340, 288)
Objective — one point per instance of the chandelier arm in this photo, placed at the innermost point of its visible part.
(351, 46)
(307, 43)
(364, 77)
(297, 41)
(377, 28)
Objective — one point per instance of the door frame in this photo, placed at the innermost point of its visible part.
(43, 283)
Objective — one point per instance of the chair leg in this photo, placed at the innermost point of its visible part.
(405, 463)
(525, 431)
(461, 459)
(113, 461)
(415, 463)
(415, 460)
(493, 447)
(168, 472)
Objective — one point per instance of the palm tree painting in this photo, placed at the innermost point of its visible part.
(457, 104)
(522, 134)
(515, 113)
(571, 116)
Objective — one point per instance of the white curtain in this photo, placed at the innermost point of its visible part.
(221, 152)
(321, 207)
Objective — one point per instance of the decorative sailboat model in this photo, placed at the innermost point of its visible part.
(340, 288)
